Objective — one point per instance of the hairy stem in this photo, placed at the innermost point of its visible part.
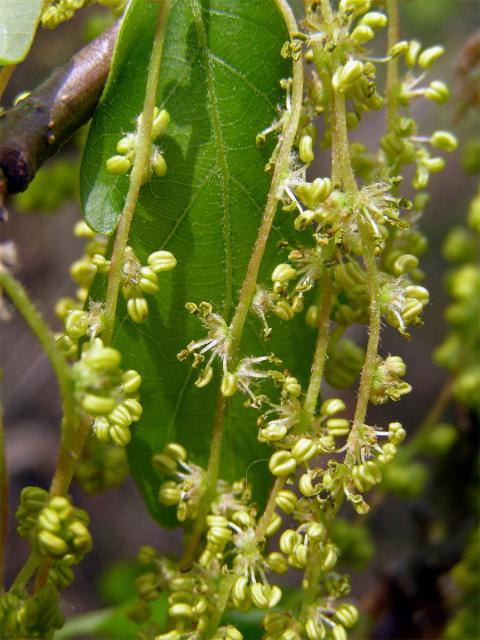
(17, 294)
(270, 507)
(274, 194)
(142, 155)
(250, 281)
(318, 364)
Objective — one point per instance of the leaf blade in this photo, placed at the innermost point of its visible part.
(220, 83)
(17, 28)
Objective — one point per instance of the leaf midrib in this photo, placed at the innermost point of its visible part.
(221, 154)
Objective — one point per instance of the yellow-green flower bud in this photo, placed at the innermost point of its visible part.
(169, 493)
(304, 449)
(347, 75)
(444, 140)
(164, 463)
(396, 433)
(405, 264)
(286, 500)
(315, 629)
(339, 633)
(126, 145)
(332, 406)
(299, 558)
(277, 562)
(282, 464)
(101, 428)
(411, 55)
(429, 56)
(330, 557)
(316, 532)
(283, 273)
(120, 416)
(374, 20)
(229, 384)
(338, 427)
(97, 405)
(398, 49)
(274, 525)
(283, 310)
(160, 123)
(83, 271)
(272, 433)
(176, 451)
(362, 33)
(219, 535)
(131, 381)
(292, 387)
(259, 595)
(51, 545)
(148, 281)
(134, 408)
(120, 435)
(118, 165)
(162, 261)
(305, 485)
(103, 359)
(180, 610)
(240, 589)
(355, 7)
(305, 149)
(438, 92)
(76, 324)
(137, 309)
(289, 541)
(347, 614)
(49, 520)
(159, 164)
(204, 377)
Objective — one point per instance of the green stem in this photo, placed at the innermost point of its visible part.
(61, 368)
(267, 515)
(142, 155)
(250, 282)
(25, 572)
(274, 195)
(318, 364)
(3, 501)
(392, 82)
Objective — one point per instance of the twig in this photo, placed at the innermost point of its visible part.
(38, 126)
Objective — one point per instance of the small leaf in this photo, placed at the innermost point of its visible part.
(19, 19)
(220, 83)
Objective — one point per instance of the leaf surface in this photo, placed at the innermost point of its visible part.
(18, 22)
(220, 83)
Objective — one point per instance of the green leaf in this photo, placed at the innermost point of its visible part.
(18, 22)
(220, 83)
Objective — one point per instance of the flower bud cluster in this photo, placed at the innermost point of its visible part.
(101, 467)
(56, 529)
(126, 149)
(59, 11)
(107, 393)
(139, 281)
(37, 616)
(79, 322)
(186, 489)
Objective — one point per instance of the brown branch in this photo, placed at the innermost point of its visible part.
(38, 126)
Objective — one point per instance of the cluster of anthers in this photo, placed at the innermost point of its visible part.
(127, 148)
(58, 11)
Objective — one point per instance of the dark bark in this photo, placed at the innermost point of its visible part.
(38, 126)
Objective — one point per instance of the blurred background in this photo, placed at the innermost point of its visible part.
(400, 568)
